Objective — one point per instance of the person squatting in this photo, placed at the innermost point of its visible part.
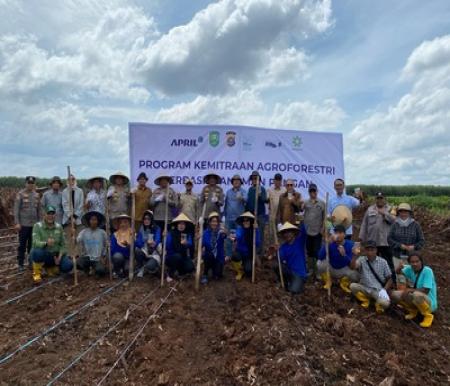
(304, 237)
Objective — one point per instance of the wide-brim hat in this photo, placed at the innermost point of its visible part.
(56, 179)
(287, 226)
(212, 174)
(118, 174)
(212, 215)
(91, 180)
(87, 218)
(116, 219)
(404, 206)
(183, 218)
(244, 215)
(342, 216)
(237, 177)
(161, 176)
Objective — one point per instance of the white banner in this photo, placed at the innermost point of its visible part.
(191, 151)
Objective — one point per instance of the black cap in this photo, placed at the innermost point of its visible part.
(30, 179)
(370, 244)
(142, 175)
(339, 228)
(278, 177)
(312, 187)
(254, 174)
(56, 179)
(379, 195)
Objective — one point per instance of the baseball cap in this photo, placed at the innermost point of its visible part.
(379, 195)
(50, 208)
(30, 179)
(370, 244)
(278, 177)
(312, 187)
(339, 228)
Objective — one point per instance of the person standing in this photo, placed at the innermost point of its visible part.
(158, 201)
(235, 200)
(255, 179)
(27, 212)
(212, 194)
(188, 202)
(274, 194)
(143, 194)
(53, 197)
(95, 199)
(290, 204)
(376, 225)
(341, 198)
(77, 205)
(314, 216)
(118, 195)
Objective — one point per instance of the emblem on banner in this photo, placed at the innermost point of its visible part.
(231, 138)
(297, 143)
(214, 138)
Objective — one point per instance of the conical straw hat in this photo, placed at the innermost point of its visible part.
(182, 218)
(342, 216)
(287, 226)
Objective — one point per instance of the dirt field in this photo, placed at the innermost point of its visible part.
(229, 333)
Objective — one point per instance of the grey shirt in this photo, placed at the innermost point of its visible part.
(50, 197)
(189, 205)
(158, 203)
(27, 208)
(314, 216)
(92, 243)
(375, 226)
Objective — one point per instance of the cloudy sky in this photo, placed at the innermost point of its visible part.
(73, 73)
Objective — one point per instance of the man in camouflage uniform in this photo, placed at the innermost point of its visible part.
(27, 210)
(212, 194)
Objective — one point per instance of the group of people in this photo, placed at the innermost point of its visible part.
(98, 228)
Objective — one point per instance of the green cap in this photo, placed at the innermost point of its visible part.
(50, 208)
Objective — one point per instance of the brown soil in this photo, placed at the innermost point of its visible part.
(229, 333)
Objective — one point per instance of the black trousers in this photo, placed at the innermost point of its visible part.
(25, 239)
(213, 264)
(386, 253)
(313, 245)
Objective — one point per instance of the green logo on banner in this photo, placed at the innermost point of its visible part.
(214, 138)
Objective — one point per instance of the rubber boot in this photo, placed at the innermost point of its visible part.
(345, 284)
(326, 278)
(365, 301)
(425, 310)
(37, 272)
(410, 309)
(237, 267)
(378, 308)
(52, 271)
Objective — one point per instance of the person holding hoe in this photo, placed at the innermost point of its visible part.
(142, 194)
(257, 206)
(292, 257)
(92, 242)
(375, 278)
(420, 293)
(158, 201)
(118, 195)
(242, 257)
(212, 194)
(213, 248)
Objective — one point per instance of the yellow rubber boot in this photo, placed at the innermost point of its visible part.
(425, 310)
(52, 271)
(345, 284)
(378, 308)
(37, 272)
(326, 278)
(237, 267)
(365, 301)
(410, 309)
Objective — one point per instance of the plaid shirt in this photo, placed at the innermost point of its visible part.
(409, 235)
(367, 278)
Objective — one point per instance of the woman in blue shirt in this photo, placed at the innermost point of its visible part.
(213, 248)
(292, 256)
(420, 296)
(149, 260)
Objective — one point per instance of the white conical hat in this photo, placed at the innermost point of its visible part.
(161, 176)
(213, 214)
(118, 174)
(342, 216)
(182, 218)
(287, 226)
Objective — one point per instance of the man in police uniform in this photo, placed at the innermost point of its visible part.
(27, 210)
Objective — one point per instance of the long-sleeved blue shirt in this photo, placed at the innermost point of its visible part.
(261, 200)
(348, 201)
(170, 243)
(209, 248)
(155, 230)
(241, 245)
(125, 251)
(234, 205)
(337, 261)
(293, 255)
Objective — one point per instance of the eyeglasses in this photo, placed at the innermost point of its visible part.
(289, 184)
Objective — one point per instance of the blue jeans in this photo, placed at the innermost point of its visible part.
(228, 243)
(294, 283)
(42, 255)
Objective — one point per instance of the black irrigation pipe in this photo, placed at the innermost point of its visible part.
(133, 341)
(29, 291)
(7, 356)
(80, 356)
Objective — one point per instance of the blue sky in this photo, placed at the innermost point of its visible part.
(73, 73)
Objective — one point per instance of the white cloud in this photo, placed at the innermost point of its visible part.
(411, 140)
